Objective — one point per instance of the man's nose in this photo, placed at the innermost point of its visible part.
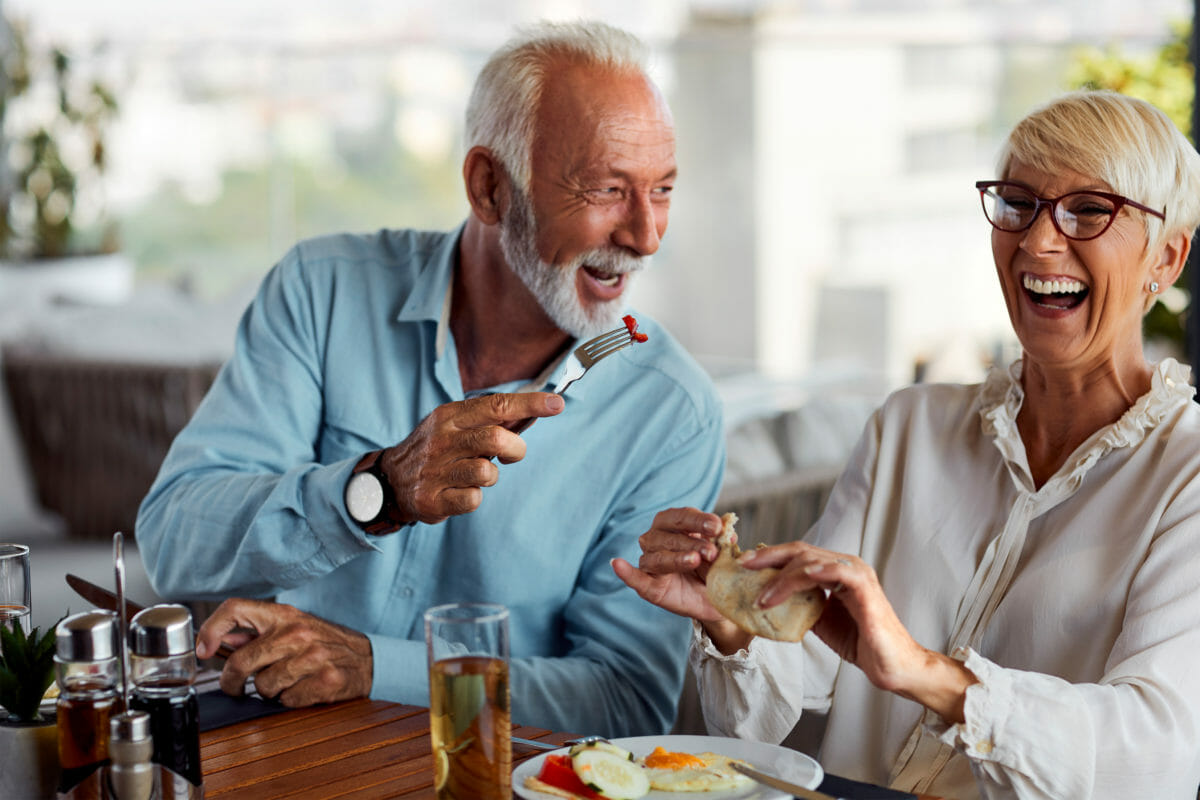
(639, 229)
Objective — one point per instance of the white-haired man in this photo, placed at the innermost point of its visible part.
(395, 361)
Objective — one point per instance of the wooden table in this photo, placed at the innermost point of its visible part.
(361, 748)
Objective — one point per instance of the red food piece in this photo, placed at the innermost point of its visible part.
(557, 771)
(631, 324)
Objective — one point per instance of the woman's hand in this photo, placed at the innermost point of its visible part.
(860, 625)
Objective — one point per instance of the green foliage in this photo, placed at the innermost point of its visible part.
(39, 203)
(1164, 78)
(26, 670)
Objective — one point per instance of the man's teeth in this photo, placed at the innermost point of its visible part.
(606, 279)
(1052, 287)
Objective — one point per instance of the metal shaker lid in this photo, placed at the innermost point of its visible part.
(162, 630)
(87, 636)
(131, 726)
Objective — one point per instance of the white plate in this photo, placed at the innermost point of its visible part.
(790, 765)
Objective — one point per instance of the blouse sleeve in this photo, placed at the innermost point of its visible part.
(732, 688)
(1134, 733)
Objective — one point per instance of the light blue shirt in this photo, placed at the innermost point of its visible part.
(344, 351)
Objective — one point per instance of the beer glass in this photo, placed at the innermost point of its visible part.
(14, 586)
(469, 722)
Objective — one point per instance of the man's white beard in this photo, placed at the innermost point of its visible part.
(554, 286)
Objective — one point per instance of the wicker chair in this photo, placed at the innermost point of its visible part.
(95, 432)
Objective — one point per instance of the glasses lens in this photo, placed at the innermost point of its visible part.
(1009, 208)
(1084, 215)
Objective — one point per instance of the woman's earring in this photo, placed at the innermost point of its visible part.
(1153, 287)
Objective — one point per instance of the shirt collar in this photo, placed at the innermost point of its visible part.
(431, 300)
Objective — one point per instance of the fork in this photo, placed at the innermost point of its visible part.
(534, 743)
(584, 357)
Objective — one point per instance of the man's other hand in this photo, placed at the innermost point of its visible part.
(293, 656)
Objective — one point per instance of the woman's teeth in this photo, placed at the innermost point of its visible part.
(1052, 287)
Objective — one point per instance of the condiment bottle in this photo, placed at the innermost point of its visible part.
(131, 774)
(86, 669)
(162, 660)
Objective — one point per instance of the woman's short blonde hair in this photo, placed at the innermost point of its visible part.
(1127, 143)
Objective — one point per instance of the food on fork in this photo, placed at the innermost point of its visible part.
(631, 323)
(732, 589)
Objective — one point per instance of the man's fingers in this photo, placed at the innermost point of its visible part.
(235, 622)
(687, 520)
(498, 409)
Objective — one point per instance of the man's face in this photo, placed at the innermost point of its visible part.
(602, 171)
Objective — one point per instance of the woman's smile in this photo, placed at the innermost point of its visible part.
(1056, 293)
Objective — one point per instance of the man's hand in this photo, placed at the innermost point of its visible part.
(440, 469)
(299, 658)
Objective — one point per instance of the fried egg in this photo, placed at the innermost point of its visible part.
(687, 772)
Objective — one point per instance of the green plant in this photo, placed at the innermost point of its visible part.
(26, 670)
(54, 124)
(1164, 78)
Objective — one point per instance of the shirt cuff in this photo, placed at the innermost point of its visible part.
(702, 649)
(399, 670)
(986, 704)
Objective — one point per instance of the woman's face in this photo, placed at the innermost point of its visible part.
(1094, 313)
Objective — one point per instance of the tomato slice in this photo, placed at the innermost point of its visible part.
(557, 771)
(631, 324)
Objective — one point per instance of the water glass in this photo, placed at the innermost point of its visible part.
(470, 724)
(15, 588)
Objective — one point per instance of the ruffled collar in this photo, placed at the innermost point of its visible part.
(1000, 399)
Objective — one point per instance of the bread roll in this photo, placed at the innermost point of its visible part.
(732, 590)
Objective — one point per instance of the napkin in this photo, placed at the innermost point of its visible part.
(857, 790)
(218, 709)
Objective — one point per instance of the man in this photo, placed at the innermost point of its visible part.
(393, 365)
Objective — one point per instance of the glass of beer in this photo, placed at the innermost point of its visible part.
(469, 720)
(15, 588)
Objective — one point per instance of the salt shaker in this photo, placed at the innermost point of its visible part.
(131, 775)
(86, 669)
(162, 660)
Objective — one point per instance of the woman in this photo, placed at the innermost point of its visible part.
(1013, 609)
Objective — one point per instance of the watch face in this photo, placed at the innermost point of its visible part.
(364, 497)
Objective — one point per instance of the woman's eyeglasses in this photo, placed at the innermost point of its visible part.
(1012, 208)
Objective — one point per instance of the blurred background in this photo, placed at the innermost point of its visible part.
(825, 237)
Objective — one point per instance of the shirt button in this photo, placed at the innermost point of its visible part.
(408, 592)
(984, 747)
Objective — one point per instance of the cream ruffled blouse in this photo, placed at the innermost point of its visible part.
(1075, 604)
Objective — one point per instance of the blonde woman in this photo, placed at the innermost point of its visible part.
(1014, 605)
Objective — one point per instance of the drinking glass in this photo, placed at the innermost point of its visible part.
(469, 722)
(15, 588)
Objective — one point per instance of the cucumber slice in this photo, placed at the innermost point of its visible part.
(611, 775)
(601, 744)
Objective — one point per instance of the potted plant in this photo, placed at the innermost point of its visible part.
(28, 739)
(53, 223)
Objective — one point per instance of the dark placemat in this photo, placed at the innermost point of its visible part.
(857, 790)
(218, 709)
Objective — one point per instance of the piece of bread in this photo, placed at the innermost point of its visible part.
(732, 590)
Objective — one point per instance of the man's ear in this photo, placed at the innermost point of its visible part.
(487, 184)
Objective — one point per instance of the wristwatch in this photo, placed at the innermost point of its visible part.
(370, 500)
